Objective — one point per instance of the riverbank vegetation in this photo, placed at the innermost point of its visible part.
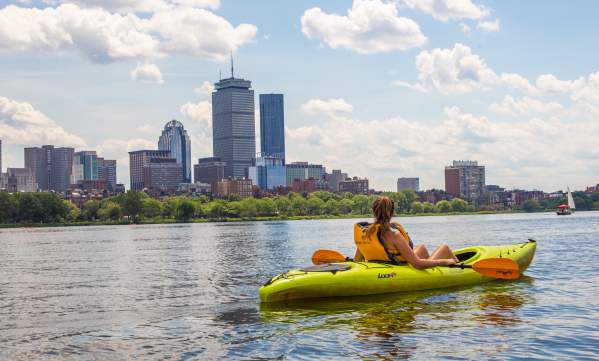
(137, 207)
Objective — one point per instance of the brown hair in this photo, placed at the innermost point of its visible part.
(382, 208)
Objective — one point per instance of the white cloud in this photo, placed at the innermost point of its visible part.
(103, 37)
(327, 107)
(416, 86)
(147, 6)
(453, 71)
(518, 82)
(526, 106)
(424, 148)
(201, 113)
(22, 124)
(466, 29)
(489, 25)
(148, 73)
(445, 10)
(369, 27)
(205, 90)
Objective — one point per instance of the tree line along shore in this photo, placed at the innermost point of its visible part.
(39, 209)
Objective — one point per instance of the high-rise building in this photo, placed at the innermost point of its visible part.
(85, 166)
(162, 175)
(107, 172)
(209, 170)
(465, 179)
(303, 171)
(51, 167)
(334, 178)
(272, 126)
(174, 138)
(233, 125)
(269, 172)
(137, 161)
(408, 183)
(1, 157)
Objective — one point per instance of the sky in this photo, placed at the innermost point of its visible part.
(379, 89)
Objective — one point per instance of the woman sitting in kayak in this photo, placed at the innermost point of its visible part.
(397, 246)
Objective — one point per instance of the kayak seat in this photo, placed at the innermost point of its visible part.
(327, 267)
(463, 257)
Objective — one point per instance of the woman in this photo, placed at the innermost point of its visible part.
(395, 243)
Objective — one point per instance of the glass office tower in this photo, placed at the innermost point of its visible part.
(175, 139)
(272, 126)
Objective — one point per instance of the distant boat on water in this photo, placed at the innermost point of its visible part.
(566, 209)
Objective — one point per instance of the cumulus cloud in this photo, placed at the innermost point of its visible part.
(200, 113)
(445, 10)
(148, 73)
(489, 25)
(453, 71)
(128, 6)
(103, 37)
(205, 89)
(327, 107)
(525, 106)
(22, 124)
(370, 26)
(424, 148)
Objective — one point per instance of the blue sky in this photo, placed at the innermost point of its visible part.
(380, 89)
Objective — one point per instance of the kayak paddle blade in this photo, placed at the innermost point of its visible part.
(323, 256)
(498, 268)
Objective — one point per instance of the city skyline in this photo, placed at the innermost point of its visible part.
(444, 86)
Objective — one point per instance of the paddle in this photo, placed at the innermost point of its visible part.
(503, 268)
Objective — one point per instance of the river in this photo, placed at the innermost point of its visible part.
(189, 291)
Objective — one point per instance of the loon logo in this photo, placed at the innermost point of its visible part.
(387, 275)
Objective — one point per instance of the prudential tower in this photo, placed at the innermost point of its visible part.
(233, 125)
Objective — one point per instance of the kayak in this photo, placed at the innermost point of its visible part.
(369, 278)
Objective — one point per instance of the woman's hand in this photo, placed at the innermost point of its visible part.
(446, 262)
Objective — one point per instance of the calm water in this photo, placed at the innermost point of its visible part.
(190, 292)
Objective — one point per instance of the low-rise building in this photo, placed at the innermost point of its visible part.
(20, 180)
(407, 183)
(195, 189)
(304, 185)
(354, 185)
(234, 186)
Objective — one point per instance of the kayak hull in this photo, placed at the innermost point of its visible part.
(369, 278)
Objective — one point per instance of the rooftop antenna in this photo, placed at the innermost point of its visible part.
(232, 74)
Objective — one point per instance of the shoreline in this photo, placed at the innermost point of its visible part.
(253, 219)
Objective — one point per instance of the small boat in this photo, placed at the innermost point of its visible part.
(368, 278)
(566, 209)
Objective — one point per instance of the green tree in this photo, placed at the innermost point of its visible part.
(345, 206)
(266, 207)
(428, 207)
(132, 204)
(216, 209)
(52, 206)
(417, 207)
(324, 195)
(152, 208)
(299, 206)
(233, 209)
(459, 205)
(442, 207)
(283, 205)
(249, 207)
(410, 196)
(315, 206)
(29, 208)
(184, 210)
(360, 204)
(8, 208)
(531, 206)
(332, 207)
(169, 207)
(110, 211)
(73, 212)
(90, 210)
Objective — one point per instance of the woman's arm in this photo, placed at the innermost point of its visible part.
(399, 243)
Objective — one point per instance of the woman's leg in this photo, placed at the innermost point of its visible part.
(421, 252)
(444, 252)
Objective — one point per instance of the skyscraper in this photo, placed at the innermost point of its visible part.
(51, 167)
(408, 183)
(85, 166)
(140, 159)
(272, 126)
(107, 172)
(174, 138)
(233, 127)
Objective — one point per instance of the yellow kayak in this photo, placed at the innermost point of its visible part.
(369, 278)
